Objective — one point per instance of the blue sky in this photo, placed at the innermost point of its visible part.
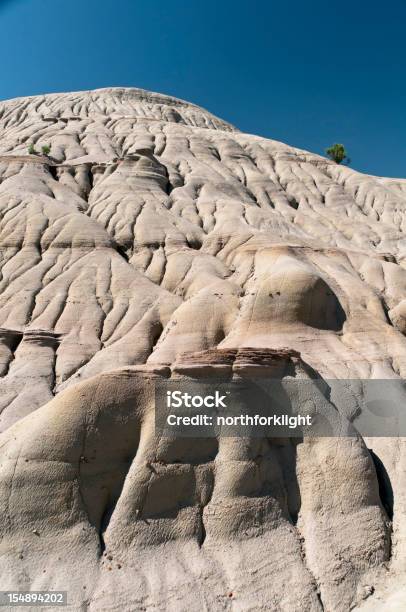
(306, 73)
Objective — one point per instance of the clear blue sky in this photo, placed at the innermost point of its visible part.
(306, 73)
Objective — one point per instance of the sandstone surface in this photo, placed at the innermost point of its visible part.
(158, 242)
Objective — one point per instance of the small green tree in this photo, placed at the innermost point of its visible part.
(46, 149)
(32, 150)
(338, 154)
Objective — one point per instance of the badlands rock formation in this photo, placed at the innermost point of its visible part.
(158, 242)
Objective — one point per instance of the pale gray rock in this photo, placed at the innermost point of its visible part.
(154, 234)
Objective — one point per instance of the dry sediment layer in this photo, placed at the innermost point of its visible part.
(155, 230)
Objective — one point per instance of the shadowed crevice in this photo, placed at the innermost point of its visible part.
(385, 486)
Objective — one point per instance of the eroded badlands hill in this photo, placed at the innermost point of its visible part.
(152, 234)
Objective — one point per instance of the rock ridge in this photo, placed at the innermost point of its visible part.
(156, 242)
